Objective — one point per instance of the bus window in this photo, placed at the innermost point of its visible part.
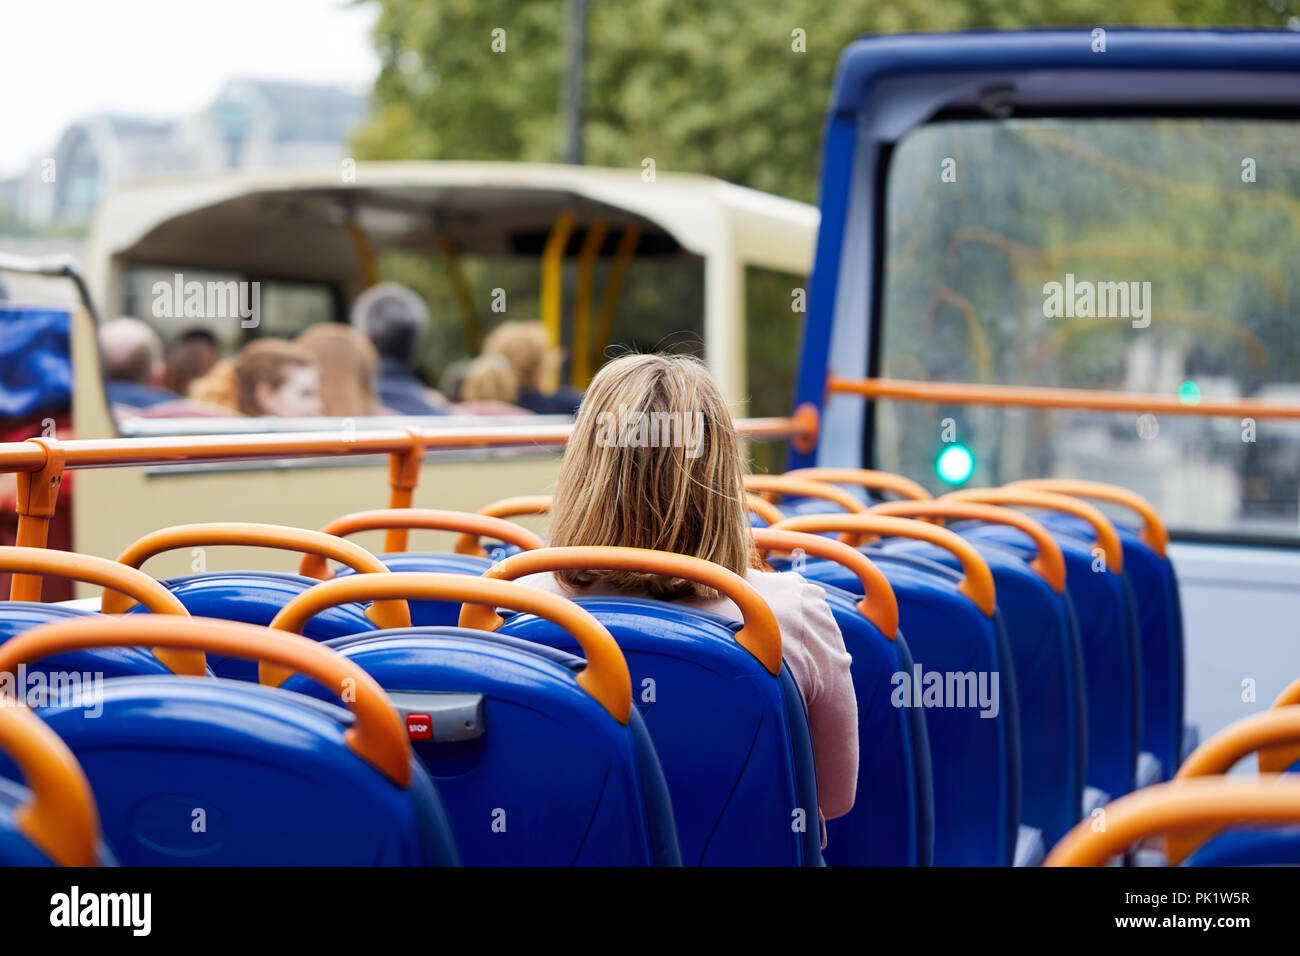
(1147, 256)
(775, 307)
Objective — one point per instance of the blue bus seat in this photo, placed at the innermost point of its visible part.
(744, 792)
(1107, 622)
(205, 771)
(255, 597)
(1159, 612)
(1043, 637)
(975, 759)
(892, 819)
(90, 664)
(470, 557)
(548, 778)
(544, 761)
(49, 819)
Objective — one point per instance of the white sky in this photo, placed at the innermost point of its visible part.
(62, 60)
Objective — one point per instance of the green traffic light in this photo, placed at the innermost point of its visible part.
(955, 464)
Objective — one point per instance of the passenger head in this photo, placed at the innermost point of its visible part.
(190, 358)
(653, 462)
(275, 377)
(393, 318)
(453, 379)
(489, 378)
(348, 366)
(131, 351)
(218, 387)
(527, 348)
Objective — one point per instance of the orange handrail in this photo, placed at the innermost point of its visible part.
(1275, 733)
(605, 678)
(505, 508)
(61, 817)
(253, 534)
(1193, 809)
(1153, 531)
(1034, 396)
(377, 736)
(428, 519)
(29, 456)
(760, 634)
(1107, 536)
(122, 580)
(878, 604)
(868, 478)
(977, 579)
(763, 508)
(1049, 562)
(804, 488)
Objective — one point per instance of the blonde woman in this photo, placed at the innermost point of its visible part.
(528, 350)
(349, 366)
(686, 497)
(267, 377)
(489, 388)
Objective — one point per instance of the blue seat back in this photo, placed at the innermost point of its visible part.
(432, 613)
(892, 820)
(1107, 622)
(15, 847)
(1264, 846)
(1160, 628)
(975, 760)
(255, 597)
(552, 779)
(100, 663)
(1044, 641)
(202, 771)
(737, 760)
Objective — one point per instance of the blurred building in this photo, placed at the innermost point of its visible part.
(250, 124)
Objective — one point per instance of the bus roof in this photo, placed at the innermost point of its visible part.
(300, 215)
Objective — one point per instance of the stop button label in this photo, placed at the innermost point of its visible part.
(419, 727)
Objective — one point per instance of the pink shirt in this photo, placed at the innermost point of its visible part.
(813, 648)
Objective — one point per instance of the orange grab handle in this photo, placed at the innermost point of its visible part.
(867, 478)
(1189, 812)
(977, 579)
(1274, 733)
(760, 634)
(428, 519)
(61, 817)
(878, 605)
(605, 678)
(1153, 531)
(764, 509)
(1290, 695)
(1107, 536)
(803, 487)
(125, 582)
(250, 534)
(1049, 562)
(377, 736)
(467, 543)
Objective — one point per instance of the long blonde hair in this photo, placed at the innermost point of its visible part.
(653, 462)
(348, 364)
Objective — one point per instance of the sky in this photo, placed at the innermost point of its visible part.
(63, 60)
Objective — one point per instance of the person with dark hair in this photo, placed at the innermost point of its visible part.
(191, 357)
(132, 356)
(393, 318)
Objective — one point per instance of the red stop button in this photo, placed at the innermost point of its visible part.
(419, 727)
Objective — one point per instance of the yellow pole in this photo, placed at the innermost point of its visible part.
(613, 286)
(460, 286)
(553, 274)
(580, 371)
(365, 255)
